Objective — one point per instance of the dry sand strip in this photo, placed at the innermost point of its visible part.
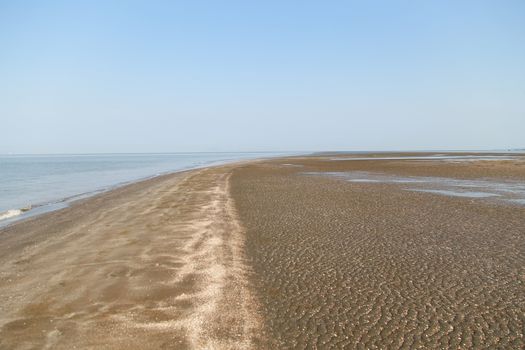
(157, 264)
(359, 265)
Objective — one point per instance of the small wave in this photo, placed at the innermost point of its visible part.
(10, 213)
(14, 212)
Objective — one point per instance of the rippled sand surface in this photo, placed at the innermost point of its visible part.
(372, 266)
(154, 265)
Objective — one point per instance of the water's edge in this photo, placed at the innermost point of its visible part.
(39, 209)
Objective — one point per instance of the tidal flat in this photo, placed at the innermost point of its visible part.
(368, 264)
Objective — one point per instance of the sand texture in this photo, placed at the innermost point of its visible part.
(154, 265)
(373, 266)
(300, 252)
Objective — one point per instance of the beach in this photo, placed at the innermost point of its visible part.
(398, 250)
(152, 265)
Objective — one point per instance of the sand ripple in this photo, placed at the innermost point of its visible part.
(360, 266)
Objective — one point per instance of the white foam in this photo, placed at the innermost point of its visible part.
(10, 213)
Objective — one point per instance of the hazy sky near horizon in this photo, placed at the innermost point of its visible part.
(169, 76)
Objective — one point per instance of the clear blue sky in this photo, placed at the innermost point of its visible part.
(168, 76)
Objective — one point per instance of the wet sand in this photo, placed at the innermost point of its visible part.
(154, 265)
(359, 265)
(273, 254)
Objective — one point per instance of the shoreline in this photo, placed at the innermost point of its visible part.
(155, 263)
(37, 209)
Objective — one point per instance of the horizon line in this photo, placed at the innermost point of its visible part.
(280, 151)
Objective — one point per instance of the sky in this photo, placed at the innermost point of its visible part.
(180, 76)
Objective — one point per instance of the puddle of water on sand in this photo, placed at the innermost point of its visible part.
(433, 157)
(407, 181)
(506, 191)
(363, 180)
(457, 194)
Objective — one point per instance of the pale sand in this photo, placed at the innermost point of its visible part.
(157, 264)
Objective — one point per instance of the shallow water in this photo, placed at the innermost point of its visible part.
(506, 191)
(435, 157)
(363, 180)
(292, 165)
(47, 182)
(459, 194)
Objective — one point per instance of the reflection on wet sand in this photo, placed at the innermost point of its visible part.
(510, 192)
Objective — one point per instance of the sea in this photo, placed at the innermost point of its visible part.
(34, 184)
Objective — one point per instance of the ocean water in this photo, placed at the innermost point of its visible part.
(32, 184)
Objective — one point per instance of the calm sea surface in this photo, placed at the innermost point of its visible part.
(47, 182)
